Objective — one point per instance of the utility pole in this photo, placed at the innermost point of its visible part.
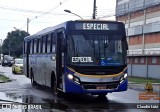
(94, 9)
(28, 24)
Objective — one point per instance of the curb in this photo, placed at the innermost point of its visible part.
(143, 83)
(5, 81)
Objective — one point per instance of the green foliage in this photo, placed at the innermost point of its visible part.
(3, 78)
(143, 80)
(13, 44)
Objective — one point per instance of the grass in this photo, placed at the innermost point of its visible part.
(143, 80)
(3, 78)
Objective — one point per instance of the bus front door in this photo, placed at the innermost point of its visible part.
(59, 59)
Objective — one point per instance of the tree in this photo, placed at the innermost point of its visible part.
(13, 44)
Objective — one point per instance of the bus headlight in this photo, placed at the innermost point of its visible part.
(73, 78)
(122, 79)
(70, 76)
(125, 75)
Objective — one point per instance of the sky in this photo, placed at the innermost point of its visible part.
(46, 13)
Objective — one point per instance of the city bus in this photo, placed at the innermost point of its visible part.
(81, 56)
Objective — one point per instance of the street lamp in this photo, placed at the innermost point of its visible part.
(68, 11)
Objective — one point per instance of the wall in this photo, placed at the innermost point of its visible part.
(144, 67)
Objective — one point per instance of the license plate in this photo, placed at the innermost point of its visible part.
(101, 87)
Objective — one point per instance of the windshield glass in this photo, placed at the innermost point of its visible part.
(96, 50)
(19, 61)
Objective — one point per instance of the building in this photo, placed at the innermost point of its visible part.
(142, 22)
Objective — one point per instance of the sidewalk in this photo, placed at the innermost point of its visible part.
(140, 87)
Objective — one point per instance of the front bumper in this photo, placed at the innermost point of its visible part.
(73, 87)
(18, 70)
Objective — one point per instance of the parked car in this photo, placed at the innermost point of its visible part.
(7, 60)
(17, 67)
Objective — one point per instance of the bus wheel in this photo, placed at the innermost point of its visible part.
(33, 82)
(54, 86)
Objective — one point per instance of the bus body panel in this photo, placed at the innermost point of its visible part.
(71, 87)
(74, 87)
(43, 67)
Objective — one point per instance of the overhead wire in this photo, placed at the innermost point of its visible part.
(47, 12)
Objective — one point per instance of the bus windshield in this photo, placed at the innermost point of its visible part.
(96, 50)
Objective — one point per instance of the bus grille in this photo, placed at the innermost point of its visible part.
(109, 85)
(98, 70)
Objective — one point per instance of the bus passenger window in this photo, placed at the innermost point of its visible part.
(44, 44)
(35, 46)
(46, 39)
(53, 43)
(41, 44)
(48, 43)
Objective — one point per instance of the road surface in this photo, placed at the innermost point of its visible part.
(21, 91)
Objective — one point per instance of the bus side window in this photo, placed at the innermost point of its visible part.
(53, 43)
(35, 46)
(41, 45)
(44, 44)
(39, 49)
(48, 43)
(30, 47)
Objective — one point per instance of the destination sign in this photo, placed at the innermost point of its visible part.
(96, 26)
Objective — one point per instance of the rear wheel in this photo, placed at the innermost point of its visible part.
(33, 82)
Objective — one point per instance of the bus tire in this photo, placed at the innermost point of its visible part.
(33, 82)
(54, 85)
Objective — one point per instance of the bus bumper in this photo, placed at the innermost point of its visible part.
(72, 87)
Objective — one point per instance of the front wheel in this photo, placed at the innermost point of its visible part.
(54, 87)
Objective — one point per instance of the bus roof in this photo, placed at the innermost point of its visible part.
(63, 25)
(46, 30)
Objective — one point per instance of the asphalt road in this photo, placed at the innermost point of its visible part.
(21, 91)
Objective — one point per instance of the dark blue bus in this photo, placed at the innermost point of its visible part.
(82, 56)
